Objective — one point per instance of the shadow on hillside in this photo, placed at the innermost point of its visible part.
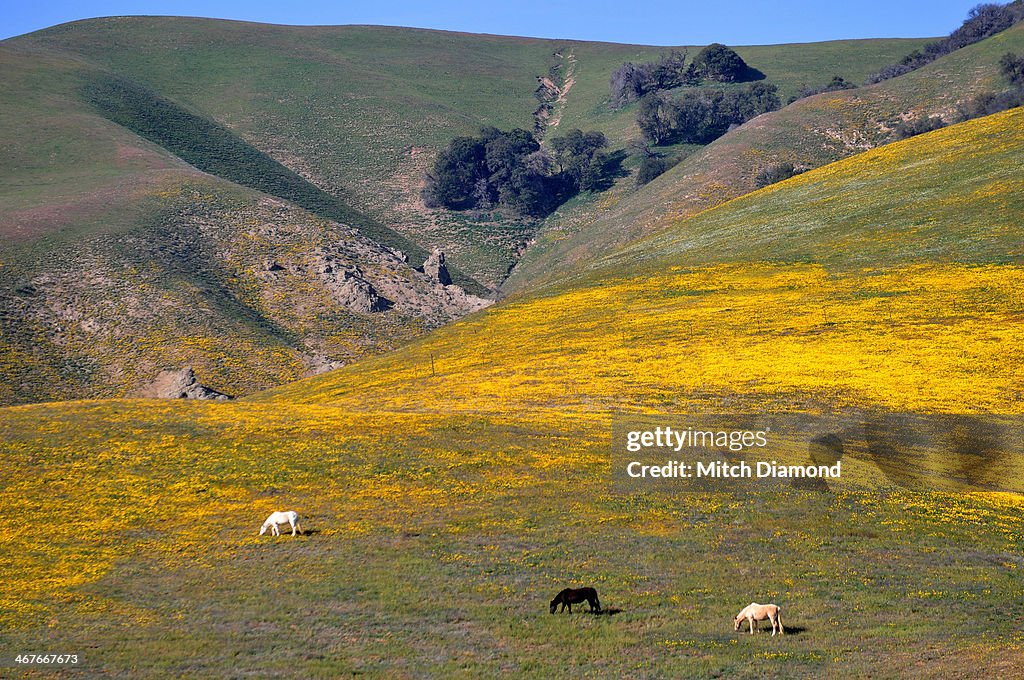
(610, 611)
(762, 630)
(612, 169)
(751, 74)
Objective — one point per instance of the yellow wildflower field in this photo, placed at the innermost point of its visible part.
(452, 487)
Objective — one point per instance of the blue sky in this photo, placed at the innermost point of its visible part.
(661, 22)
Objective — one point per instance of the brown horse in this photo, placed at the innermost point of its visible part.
(571, 596)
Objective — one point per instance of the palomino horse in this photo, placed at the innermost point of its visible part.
(755, 612)
(289, 517)
(571, 596)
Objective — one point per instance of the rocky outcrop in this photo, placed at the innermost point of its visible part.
(435, 268)
(318, 363)
(347, 285)
(284, 294)
(358, 295)
(179, 384)
(383, 282)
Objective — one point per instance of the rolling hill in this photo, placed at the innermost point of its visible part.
(172, 188)
(809, 133)
(453, 486)
(811, 264)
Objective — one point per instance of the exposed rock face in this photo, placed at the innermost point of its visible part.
(382, 281)
(347, 285)
(359, 296)
(289, 287)
(434, 268)
(180, 384)
(317, 364)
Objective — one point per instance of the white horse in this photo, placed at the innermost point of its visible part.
(290, 517)
(755, 612)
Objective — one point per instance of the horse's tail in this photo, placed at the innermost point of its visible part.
(597, 602)
(778, 617)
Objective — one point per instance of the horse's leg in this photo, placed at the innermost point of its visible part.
(293, 526)
(570, 607)
(299, 525)
(753, 624)
(782, 630)
(772, 618)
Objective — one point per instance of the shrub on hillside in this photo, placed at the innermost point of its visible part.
(776, 173)
(580, 158)
(918, 126)
(982, 22)
(718, 62)
(836, 84)
(653, 166)
(987, 103)
(632, 81)
(1012, 68)
(984, 104)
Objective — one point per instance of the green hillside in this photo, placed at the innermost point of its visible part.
(361, 111)
(453, 487)
(912, 229)
(172, 186)
(808, 133)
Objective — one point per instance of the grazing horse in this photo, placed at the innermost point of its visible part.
(755, 612)
(289, 517)
(571, 596)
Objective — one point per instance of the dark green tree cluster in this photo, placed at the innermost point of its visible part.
(703, 115)
(721, 64)
(512, 170)
(1012, 68)
(581, 159)
(918, 126)
(631, 81)
(653, 166)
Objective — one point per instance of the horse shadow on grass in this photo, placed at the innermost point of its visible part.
(609, 611)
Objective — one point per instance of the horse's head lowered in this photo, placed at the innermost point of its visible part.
(554, 605)
(737, 623)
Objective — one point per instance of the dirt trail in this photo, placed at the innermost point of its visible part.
(568, 80)
(552, 95)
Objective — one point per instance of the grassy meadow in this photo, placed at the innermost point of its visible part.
(437, 540)
(452, 487)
